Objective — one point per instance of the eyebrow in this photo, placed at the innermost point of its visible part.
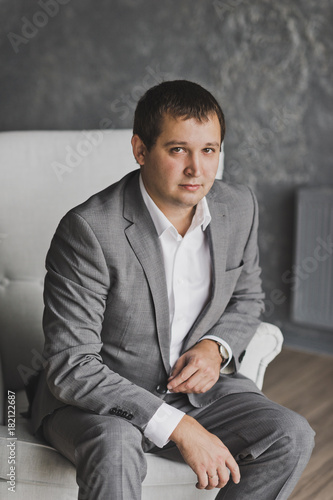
(184, 143)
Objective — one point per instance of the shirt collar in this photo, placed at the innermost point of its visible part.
(201, 217)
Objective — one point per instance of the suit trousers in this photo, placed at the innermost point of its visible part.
(270, 443)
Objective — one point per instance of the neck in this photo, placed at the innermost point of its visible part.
(181, 220)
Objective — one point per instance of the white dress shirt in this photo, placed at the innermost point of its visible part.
(187, 264)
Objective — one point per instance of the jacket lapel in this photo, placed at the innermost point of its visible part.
(217, 233)
(142, 237)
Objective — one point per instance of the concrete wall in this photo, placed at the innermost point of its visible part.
(78, 64)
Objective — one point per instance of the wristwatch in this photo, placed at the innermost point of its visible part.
(223, 352)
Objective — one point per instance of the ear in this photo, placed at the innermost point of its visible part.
(139, 150)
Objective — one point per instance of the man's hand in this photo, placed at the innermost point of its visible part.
(205, 454)
(197, 370)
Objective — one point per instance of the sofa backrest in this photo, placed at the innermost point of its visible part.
(43, 175)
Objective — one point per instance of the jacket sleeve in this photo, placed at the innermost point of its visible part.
(241, 317)
(75, 293)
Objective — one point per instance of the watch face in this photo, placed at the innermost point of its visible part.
(223, 351)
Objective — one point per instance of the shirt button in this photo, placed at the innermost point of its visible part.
(161, 389)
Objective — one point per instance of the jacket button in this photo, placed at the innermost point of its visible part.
(240, 359)
(161, 389)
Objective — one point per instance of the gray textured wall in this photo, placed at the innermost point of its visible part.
(79, 64)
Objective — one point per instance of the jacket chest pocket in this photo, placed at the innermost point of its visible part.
(229, 282)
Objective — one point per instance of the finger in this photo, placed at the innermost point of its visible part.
(200, 382)
(213, 481)
(181, 383)
(195, 384)
(183, 376)
(202, 480)
(206, 387)
(234, 469)
(179, 365)
(223, 476)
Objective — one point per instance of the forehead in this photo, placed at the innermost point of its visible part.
(183, 128)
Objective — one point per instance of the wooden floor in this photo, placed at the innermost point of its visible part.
(304, 382)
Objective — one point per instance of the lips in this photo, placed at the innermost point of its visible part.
(190, 187)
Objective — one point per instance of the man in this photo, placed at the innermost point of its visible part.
(152, 287)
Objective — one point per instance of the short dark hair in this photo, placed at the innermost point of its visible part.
(180, 99)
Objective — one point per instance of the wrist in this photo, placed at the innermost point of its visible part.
(178, 434)
(219, 348)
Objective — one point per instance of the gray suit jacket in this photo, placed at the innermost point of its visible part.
(106, 319)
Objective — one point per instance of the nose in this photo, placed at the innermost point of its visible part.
(193, 168)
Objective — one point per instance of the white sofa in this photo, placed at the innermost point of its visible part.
(44, 174)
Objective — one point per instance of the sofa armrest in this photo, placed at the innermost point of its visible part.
(263, 348)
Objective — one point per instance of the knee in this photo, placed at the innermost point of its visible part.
(297, 434)
(111, 441)
(113, 436)
(110, 445)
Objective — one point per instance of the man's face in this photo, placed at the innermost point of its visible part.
(180, 168)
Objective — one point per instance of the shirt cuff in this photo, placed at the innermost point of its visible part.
(162, 424)
(224, 344)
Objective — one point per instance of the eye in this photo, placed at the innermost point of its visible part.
(209, 150)
(177, 149)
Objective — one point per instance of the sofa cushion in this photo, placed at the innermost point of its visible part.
(43, 473)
